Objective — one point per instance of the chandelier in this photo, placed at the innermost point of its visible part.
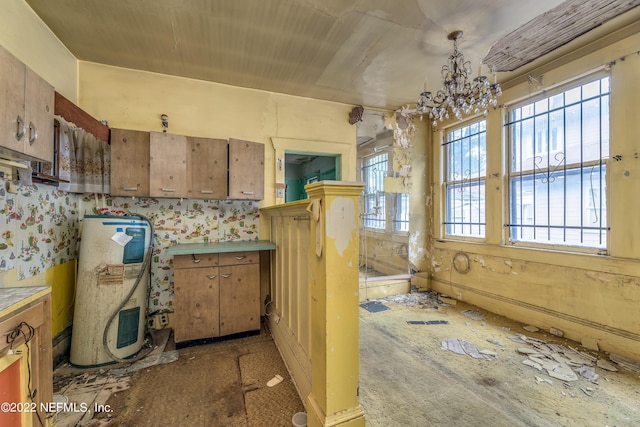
(459, 94)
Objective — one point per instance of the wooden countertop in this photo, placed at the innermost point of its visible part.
(11, 299)
(212, 248)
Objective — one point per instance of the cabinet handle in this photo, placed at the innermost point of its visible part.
(194, 259)
(226, 276)
(212, 277)
(168, 190)
(130, 188)
(206, 191)
(248, 193)
(20, 130)
(33, 133)
(240, 257)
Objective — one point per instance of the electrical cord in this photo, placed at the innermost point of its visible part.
(145, 264)
(28, 336)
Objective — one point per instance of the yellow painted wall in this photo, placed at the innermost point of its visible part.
(585, 295)
(24, 34)
(62, 279)
(133, 99)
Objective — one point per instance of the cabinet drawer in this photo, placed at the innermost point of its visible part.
(195, 260)
(234, 258)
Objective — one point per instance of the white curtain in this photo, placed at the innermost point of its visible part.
(85, 161)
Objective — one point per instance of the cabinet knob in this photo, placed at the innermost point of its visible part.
(20, 130)
(212, 277)
(33, 133)
(226, 276)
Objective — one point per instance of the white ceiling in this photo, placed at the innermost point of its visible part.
(375, 53)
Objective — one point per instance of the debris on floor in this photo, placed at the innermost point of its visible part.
(445, 299)
(590, 343)
(628, 364)
(427, 322)
(151, 360)
(541, 380)
(463, 347)
(475, 315)
(557, 332)
(495, 342)
(603, 364)
(374, 306)
(531, 328)
(275, 381)
(558, 361)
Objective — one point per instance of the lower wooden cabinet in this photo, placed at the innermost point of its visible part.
(216, 295)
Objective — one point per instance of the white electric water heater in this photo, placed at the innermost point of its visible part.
(112, 254)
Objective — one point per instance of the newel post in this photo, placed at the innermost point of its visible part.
(333, 270)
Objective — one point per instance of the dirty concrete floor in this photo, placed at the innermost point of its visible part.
(406, 379)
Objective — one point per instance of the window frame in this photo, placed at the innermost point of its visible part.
(379, 196)
(400, 216)
(582, 166)
(446, 184)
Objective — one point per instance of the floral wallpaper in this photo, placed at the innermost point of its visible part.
(41, 226)
(182, 221)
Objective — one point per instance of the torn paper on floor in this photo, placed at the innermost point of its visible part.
(463, 347)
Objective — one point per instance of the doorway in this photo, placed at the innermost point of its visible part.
(304, 168)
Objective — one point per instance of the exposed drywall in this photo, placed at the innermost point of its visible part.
(588, 296)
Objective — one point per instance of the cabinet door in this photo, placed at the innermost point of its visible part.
(246, 170)
(207, 168)
(26, 111)
(39, 102)
(129, 163)
(11, 103)
(196, 303)
(239, 298)
(168, 165)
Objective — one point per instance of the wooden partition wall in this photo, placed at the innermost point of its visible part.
(288, 312)
(313, 313)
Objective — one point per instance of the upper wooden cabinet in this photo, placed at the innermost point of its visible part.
(158, 164)
(26, 111)
(168, 165)
(246, 170)
(129, 163)
(207, 167)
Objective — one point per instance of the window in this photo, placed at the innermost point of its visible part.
(464, 180)
(401, 217)
(45, 172)
(557, 167)
(374, 169)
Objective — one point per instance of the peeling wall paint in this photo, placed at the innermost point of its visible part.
(341, 222)
(583, 294)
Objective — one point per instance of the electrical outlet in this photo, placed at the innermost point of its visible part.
(164, 319)
(151, 322)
